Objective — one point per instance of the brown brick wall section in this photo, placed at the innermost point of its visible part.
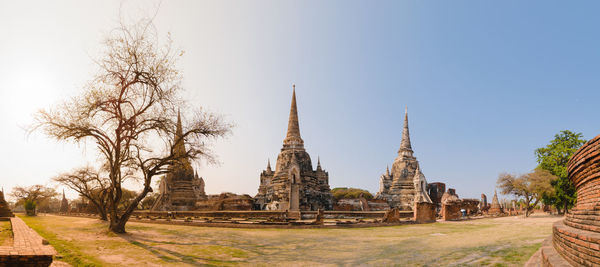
(424, 212)
(27, 248)
(578, 247)
(451, 211)
(584, 172)
(265, 214)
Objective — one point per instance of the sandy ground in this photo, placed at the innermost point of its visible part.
(507, 241)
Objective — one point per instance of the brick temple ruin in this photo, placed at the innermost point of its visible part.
(495, 208)
(294, 185)
(405, 182)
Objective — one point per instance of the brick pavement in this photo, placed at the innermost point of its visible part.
(28, 247)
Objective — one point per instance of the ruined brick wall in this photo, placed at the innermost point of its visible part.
(355, 204)
(225, 201)
(451, 211)
(265, 214)
(424, 212)
(352, 204)
(471, 205)
(212, 214)
(436, 191)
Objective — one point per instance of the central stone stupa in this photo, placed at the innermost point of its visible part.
(406, 184)
(294, 185)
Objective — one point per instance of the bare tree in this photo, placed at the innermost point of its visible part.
(128, 108)
(530, 186)
(90, 185)
(32, 196)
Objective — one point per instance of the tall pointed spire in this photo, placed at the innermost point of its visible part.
(180, 144)
(405, 146)
(319, 163)
(387, 170)
(269, 165)
(292, 138)
(64, 193)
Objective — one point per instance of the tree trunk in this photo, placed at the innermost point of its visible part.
(117, 225)
(566, 207)
(103, 215)
(101, 210)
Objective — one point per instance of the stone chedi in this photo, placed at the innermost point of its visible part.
(495, 207)
(4, 209)
(577, 237)
(181, 188)
(294, 185)
(64, 204)
(405, 182)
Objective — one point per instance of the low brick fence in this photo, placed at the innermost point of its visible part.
(28, 247)
(213, 214)
(267, 214)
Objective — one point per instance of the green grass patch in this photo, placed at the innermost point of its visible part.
(5, 233)
(516, 254)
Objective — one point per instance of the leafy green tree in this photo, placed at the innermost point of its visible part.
(554, 158)
(344, 193)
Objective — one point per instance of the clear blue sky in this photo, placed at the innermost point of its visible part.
(485, 82)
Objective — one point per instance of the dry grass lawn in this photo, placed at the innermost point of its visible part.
(507, 241)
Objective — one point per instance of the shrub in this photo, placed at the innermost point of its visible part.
(30, 207)
(345, 193)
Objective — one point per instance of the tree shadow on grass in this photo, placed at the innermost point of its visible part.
(168, 255)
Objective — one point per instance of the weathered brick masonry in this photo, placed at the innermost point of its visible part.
(577, 238)
(28, 248)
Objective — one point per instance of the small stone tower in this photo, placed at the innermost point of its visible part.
(495, 208)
